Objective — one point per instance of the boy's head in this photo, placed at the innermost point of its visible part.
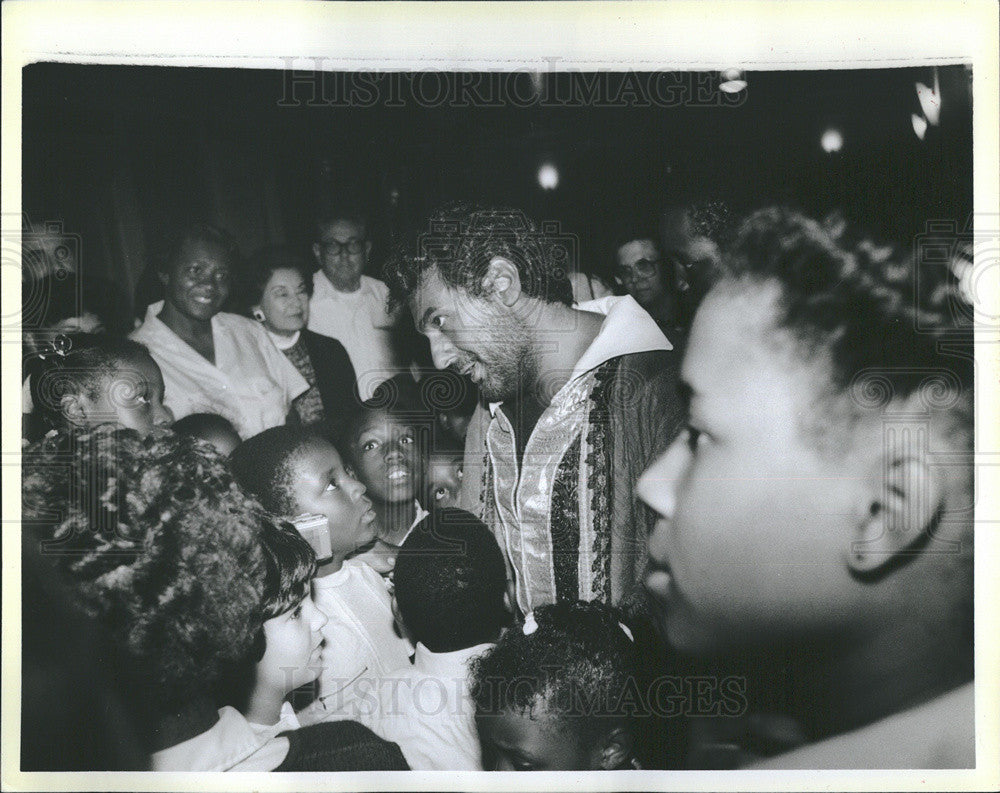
(127, 523)
(290, 640)
(295, 471)
(808, 498)
(450, 583)
(211, 428)
(383, 441)
(556, 693)
(85, 380)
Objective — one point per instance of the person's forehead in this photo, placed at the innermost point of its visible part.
(284, 276)
(634, 250)
(432, 293)
(204, 251)
(344, 229)
(734, 347)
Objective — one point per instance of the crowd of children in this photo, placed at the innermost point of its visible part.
(307, 596)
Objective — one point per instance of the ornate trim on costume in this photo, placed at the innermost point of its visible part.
(564, 525)
(599, 471)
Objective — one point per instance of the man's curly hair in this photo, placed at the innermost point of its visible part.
(158, 543)
(578, 665)
(460, 240)
(889, 326)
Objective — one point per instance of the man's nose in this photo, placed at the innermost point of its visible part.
(164, 416)
(443, 351)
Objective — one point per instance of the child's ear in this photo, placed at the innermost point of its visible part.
(502, 281)
(617, 750)
(74, 408)
(901, 510)
(163, 277)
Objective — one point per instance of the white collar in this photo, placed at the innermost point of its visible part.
(445, 663)
(627, 329)
(284, 342)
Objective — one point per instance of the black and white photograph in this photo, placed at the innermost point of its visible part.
(411, 394)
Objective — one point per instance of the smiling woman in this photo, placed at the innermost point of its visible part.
(212, 361)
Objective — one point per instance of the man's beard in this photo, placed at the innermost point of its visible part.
(512, 370)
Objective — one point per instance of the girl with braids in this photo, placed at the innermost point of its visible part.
(556, 693)
(83, 380)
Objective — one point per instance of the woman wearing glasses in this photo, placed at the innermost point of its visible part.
(349, 306)
(640, 270)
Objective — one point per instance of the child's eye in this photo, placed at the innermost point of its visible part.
(440, 493)
(332, 486)
(297, 612)
(406, 439)
(367, 446)
(437, 321)
(459, 472)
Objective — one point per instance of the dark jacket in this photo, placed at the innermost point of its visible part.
(340, 746)
(335, 377)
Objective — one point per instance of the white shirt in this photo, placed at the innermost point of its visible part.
(361, 639)
(251, 383)
(231, 744)
(358, 320)
(427, 709)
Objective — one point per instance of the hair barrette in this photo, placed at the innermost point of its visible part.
(60, 345)
(530, 625)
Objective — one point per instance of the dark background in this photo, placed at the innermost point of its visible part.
(122, 154)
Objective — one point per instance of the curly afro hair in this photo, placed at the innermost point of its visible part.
(888, 325)
(158, 544)
(578, 664)
(459, 242)
(450, 582)
(263, 465)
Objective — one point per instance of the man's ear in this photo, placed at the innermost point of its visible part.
(900, 514)
(502, 281)
(73, 408)
(617, 750)
(368, 249)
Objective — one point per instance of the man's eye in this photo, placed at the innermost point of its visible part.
(332, 486)
(297, 613)
(459, 472)
(522, 766)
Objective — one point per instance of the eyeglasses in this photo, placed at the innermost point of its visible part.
(644, 268)
(334, 247)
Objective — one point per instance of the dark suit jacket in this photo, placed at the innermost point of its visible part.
(335, 377)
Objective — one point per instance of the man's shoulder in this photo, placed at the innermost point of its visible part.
(649, 365)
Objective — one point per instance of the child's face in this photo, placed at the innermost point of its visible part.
(444, 478)
(386, 452)
(755, 523)
(132, 397)
(294, 642)
(532, 742)
(323, 485)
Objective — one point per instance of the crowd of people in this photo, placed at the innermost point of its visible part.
(712, 512)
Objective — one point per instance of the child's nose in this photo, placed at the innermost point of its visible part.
(658, 485)
(319, 618)
(164, 416)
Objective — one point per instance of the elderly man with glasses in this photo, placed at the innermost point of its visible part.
(348, 305)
